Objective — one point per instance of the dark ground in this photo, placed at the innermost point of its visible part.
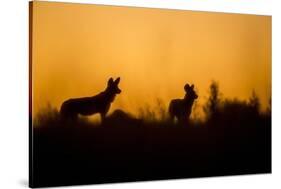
(122, 150)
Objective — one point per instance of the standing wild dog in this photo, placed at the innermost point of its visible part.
(181, 108)
(90, 105)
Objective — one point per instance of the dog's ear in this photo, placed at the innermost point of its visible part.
(186, 87)
(110, 81)
(192, 86)
(117, 81)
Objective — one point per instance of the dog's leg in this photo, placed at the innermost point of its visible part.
(171, 119)
(102, 115)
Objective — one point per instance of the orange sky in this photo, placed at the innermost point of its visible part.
(77, 47)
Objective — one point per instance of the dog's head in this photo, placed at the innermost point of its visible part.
(112, 86)
(190, 92)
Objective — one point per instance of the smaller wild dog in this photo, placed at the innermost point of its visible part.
(181, 108)
(91, 105)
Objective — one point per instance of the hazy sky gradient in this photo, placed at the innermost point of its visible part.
(77, 47)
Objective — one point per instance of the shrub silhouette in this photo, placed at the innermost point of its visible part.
(212, 106)
(120, 118)
(47, 117)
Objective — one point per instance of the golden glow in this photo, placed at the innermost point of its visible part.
(77, 47)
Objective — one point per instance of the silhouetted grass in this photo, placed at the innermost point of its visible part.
(234, 139)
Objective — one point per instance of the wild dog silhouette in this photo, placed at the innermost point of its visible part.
(181, 108)
(99, 103)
